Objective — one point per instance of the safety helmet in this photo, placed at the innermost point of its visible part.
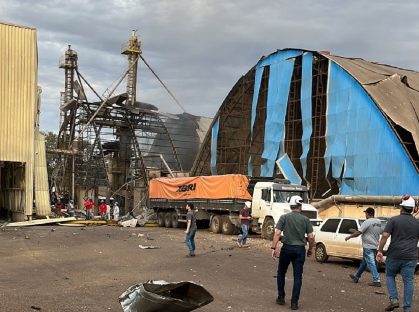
(295, 200)
(408, 202)
(248, 204)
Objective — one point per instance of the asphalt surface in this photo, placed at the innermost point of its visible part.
(58, 268)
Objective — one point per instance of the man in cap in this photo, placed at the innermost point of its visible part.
(402, 254)
(244, 223)
(295, 227)
(370, 231)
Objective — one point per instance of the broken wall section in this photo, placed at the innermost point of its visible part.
(362, 150)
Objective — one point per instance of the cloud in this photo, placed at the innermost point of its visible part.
(201, 48)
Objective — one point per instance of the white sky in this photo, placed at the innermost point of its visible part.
(201, 48)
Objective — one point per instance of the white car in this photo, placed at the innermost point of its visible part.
(330, 239)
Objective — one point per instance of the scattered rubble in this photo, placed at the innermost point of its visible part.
(148, 247)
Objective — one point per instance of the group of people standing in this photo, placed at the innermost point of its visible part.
(105, 210)
(402, 253)
(294, 230)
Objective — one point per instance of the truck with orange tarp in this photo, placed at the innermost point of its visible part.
(218, 200)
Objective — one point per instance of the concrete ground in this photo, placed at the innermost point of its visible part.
(58, 268)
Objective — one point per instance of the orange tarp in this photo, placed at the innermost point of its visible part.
(206, 187)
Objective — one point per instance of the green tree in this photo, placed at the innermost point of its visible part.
(53, 159)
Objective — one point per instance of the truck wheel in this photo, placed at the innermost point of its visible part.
(216, 224)
(160, 218)
(268, 229)
(175, 220)
(227, 228)
(168, 220)
(321, 254)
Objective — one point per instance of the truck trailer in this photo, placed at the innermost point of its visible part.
(218, 200)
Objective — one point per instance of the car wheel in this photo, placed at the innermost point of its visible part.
(268, 229)
(320, 254)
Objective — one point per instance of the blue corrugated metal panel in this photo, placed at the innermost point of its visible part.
(362, 144)
(214, 138)
(256, 88)
(288, 169)
(276, 108)
(306, 108)
(280, 72)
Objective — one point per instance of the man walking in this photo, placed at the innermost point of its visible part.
(244, 224)
(370, 233)
(402, 254)
(295, 227)
(190, 230)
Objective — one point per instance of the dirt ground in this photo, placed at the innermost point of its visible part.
(58, 268)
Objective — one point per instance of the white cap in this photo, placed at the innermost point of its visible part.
(296, 200)
(408, 202)
(248, 204)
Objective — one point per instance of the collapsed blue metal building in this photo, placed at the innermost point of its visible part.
(339, 125)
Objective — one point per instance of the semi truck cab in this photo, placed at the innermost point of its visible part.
(270, 202)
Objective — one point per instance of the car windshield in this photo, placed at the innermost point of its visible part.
(316, 222)
(282, 196)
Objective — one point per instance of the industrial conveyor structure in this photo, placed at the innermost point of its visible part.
(111, 146)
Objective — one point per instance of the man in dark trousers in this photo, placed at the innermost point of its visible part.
(190, 230)
(244, 224)
(370, 231)
(295, 227)
(402, 254)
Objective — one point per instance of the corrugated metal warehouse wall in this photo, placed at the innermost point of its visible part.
(18, 89)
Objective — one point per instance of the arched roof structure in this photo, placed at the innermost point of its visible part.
(339, 125)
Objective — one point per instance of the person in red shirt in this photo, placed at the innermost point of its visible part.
(245, 223)
(102, 209)
(88, 204)
(58, 207)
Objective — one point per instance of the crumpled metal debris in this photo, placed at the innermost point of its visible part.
(153, 296)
